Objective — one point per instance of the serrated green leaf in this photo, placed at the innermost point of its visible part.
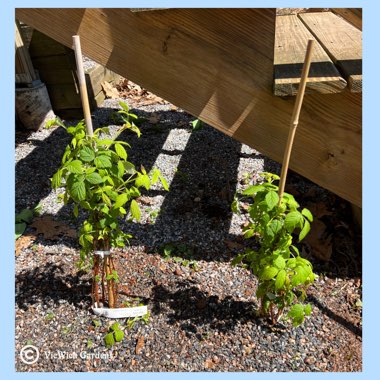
(279, 262)
(87, 154)
(103, 161)
(296, 311)
(119, 335)
(275, 225)
(293, 220)
(121, 200)
(307, 214)
(268, 273)
(74, 167)
(78, 191)
(109, 339)
(121, 152)
(252, 190)
(280, 279)
(94, 178)
(135, 210)
(305, 230)
(307, 309)
(301, 275)
(143, 180)
(271, 199)
(56, 180)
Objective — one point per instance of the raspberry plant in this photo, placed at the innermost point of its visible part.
(99, 179)
(282, 273)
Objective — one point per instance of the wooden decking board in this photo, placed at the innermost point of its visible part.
(352, 15)
(218, 64)
(289, 54)
(342, 41)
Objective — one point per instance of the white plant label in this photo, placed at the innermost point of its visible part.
(123, 312)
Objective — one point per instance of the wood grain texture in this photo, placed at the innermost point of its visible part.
(289, 53)
(218, 65)
(342, 41)
(352, 15)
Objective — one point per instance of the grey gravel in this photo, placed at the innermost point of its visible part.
(202, 318)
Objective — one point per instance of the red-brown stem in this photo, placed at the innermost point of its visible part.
(95, 282)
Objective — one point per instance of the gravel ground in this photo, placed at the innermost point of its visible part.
(202, 311)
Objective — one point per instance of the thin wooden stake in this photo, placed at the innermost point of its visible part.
(294, 120)
(82, 85)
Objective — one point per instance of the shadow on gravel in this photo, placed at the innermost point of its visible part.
(50, 283)
(194, 309)
(337, 318)
(33, 172)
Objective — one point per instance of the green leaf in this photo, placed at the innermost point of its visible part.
(87, 154)
(121, 200)
(271, 199)
(119, 335)
(135, 210)
(115, 326)
(252, 190)
(155, 175)
(20, 228)
(307, 309)
(56, 180)
(301, 275)
(268, 273)
(78, 191)
(197, 124)
(279, 262)
(307, 214)
(293, 220)
(76, 211)
(296, 311)
(121, 152)
(143, 180)
(275, 225)
(120, 169)
(305, 230)
(74, 167)
(124, 106)
(280, 279)
(109, 339)
(129, 167)
(103, 161)
(94, 178)
(164, 183)
(26, 215)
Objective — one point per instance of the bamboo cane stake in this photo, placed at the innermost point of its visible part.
(82, 85)
(295, 118)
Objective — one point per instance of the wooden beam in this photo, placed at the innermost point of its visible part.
(352, 15)
(342, 41)
(218, 65)
(289, 53)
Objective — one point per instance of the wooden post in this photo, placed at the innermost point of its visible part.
(82, 85)
(294, 119)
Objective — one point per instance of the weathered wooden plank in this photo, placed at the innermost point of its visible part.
(289, 54)
(342, 41)
(352, 15)
(218, 64)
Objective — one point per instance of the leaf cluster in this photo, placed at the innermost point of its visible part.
(98, 178)
(283, 274)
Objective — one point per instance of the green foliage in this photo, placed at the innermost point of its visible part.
(115, 335)
(197, 124)
(180, 253)
(99, 179)
(24, 218)
(283, 274)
